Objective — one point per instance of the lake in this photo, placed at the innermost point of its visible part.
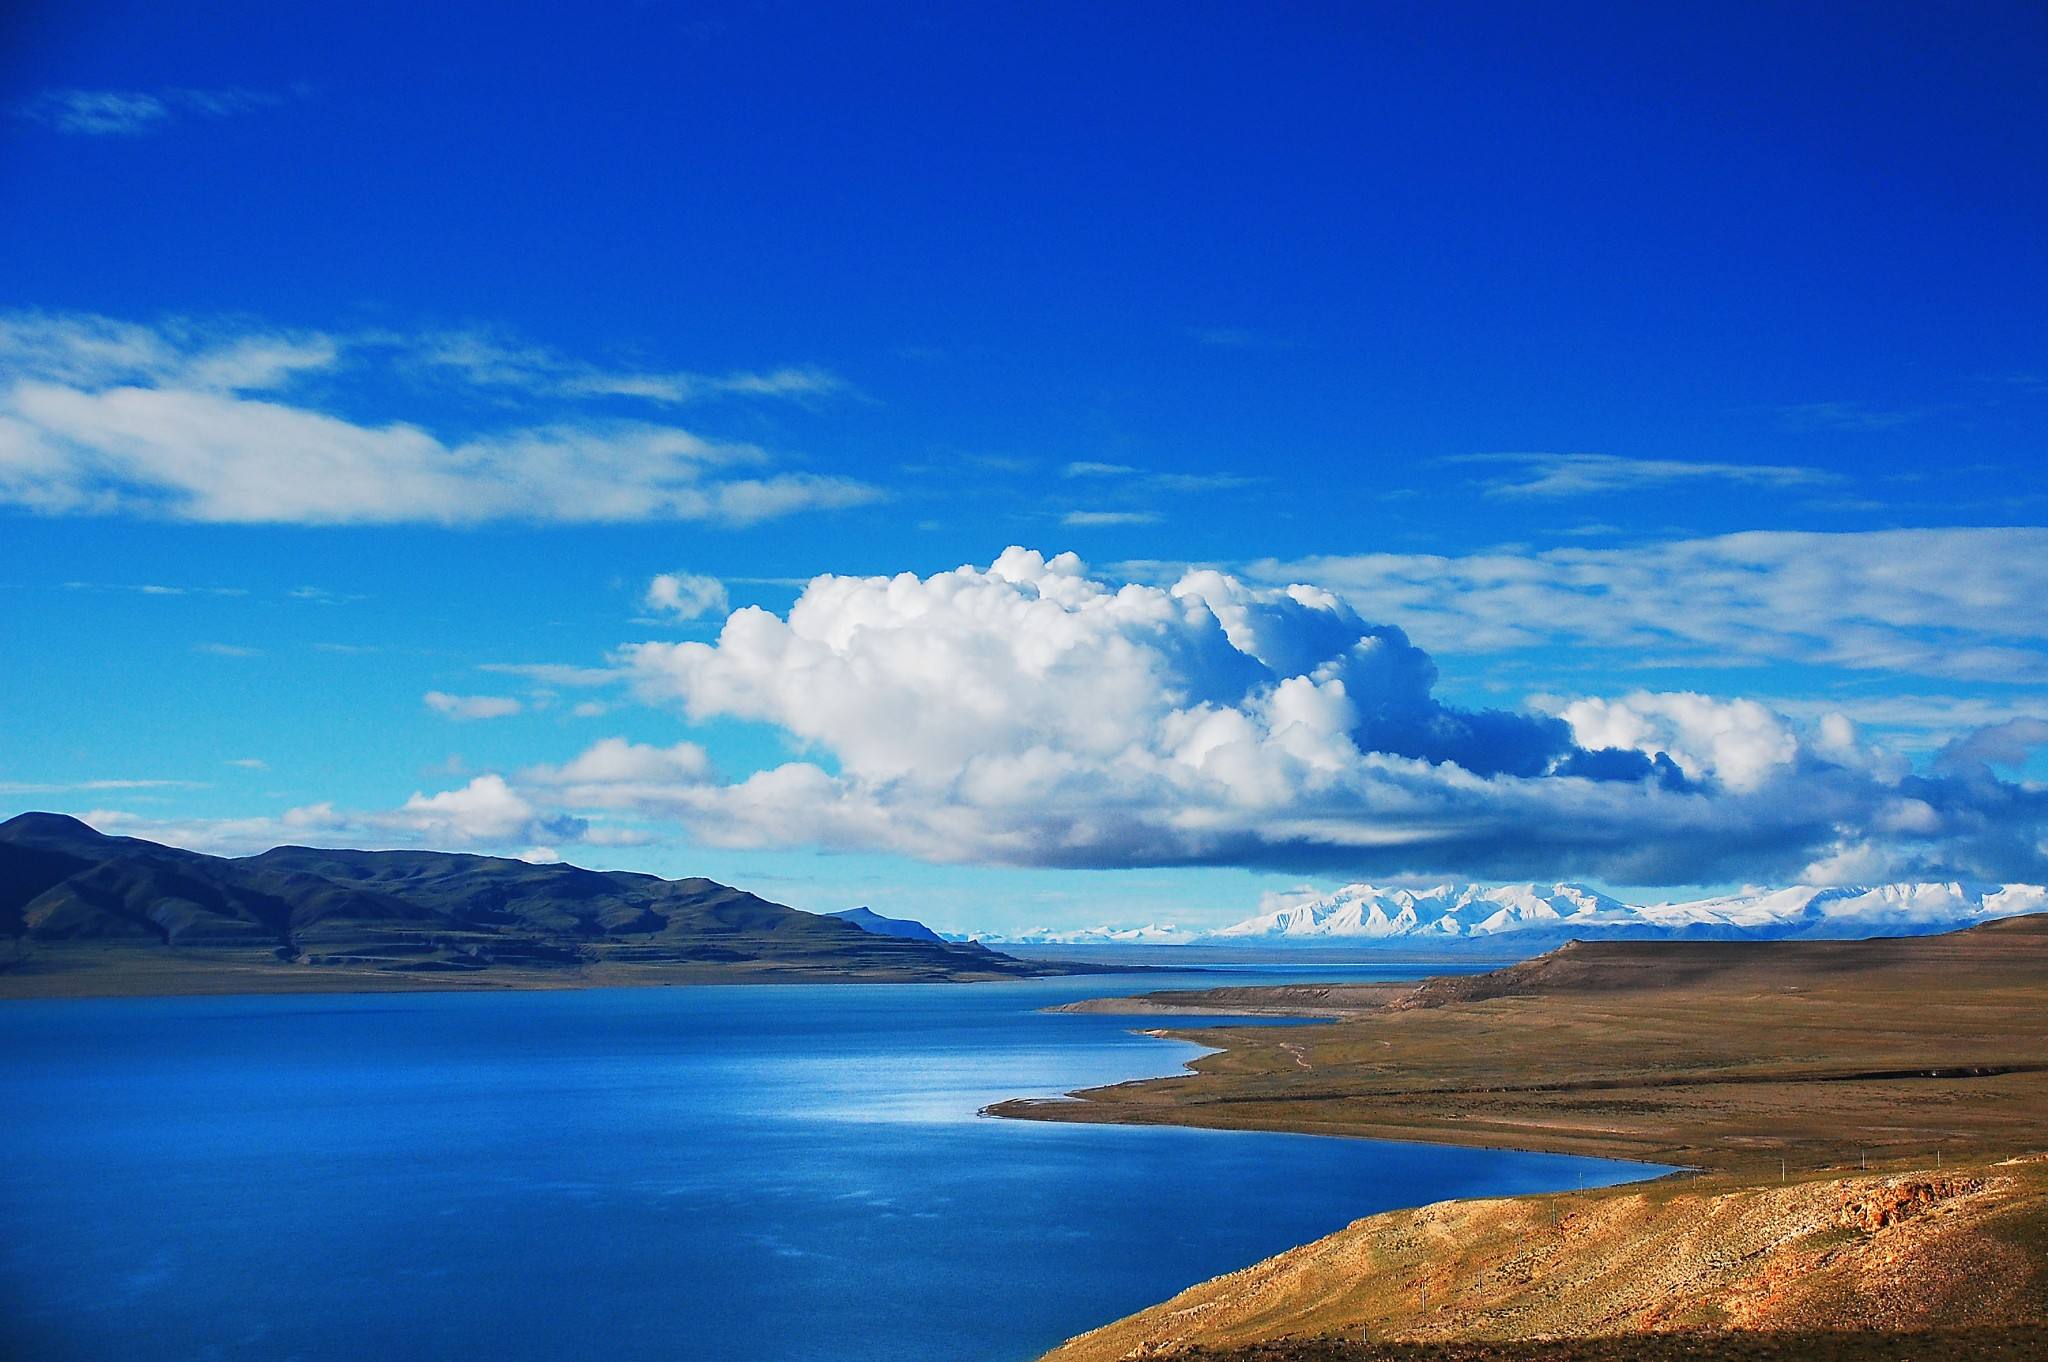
(781, 1173)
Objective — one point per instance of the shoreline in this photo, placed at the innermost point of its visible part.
(229, 976)
(1095, 1106)
(383, 985)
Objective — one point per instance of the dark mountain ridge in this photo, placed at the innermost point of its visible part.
(867, 919)
(75, 902)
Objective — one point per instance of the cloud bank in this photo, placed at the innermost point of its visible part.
(1030, 713)
(486, 813)
(199, 424)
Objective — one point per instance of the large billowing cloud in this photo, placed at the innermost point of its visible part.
(1028, 713)
(218, 425)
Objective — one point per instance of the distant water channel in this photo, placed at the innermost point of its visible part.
(761, 1173)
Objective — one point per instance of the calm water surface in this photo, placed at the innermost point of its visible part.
(719, 1173)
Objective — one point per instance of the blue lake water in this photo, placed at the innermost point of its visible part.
(717, 1173)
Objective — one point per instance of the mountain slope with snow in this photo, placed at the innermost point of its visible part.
(1151, 934)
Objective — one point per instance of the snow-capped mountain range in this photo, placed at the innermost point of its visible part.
(1360, 914)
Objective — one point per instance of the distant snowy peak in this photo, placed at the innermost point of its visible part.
(1151, 934)
(1363, 912)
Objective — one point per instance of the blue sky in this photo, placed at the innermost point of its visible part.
(355, 354)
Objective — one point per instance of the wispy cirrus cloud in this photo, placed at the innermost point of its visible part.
(211, 423)
(565, 675)
(1101, 519)
(95, 786)
(1844, 416)
(485, 361)
(1150, 480)
(1237, 338)
(133, 113)
(244, 355)
(466, 708)
(1138, 488)
(1538, 475)
(160, 590)
(1955, 603)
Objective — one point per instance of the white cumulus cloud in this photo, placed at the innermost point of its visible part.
(685, 595)
(614, 773)
(1737, 742)
(486, 810)
(1031, 713)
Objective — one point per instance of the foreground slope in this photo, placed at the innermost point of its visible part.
(1879, 1256)
(84, 913)
(1868, 1118)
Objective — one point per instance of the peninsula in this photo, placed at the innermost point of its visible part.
(1864, 1122)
